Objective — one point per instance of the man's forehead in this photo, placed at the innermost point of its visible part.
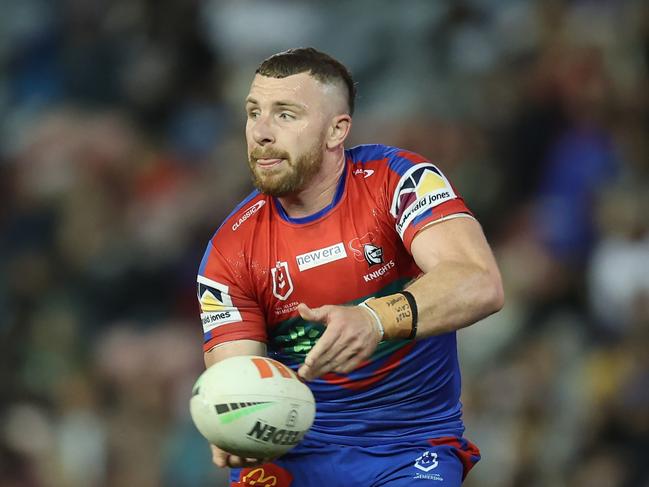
(296, 86)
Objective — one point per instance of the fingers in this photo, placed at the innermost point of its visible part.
(350, 338)
(224, 459)
(318, 361)
(350, 363)
(320, 355)
(312, 314)
(323, 351)
(348, 358)
(236, 462)
(338, 358)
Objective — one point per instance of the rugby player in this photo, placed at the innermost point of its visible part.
(355, 267)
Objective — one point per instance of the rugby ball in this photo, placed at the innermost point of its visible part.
(252, 406)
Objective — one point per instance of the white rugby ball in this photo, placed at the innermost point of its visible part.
(252, 406)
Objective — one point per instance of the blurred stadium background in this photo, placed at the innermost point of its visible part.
(121, 150)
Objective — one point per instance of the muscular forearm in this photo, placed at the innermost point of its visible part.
(461, 283)
(454, 295)
(233, 349)
(450, 296)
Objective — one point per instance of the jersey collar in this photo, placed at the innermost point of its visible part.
(340, 190)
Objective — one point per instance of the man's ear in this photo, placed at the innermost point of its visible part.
(338, 130)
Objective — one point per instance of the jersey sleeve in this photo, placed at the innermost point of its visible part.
(419, 194)
(228, 311)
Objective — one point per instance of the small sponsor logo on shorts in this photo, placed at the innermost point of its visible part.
(268, 475)
(425, 463)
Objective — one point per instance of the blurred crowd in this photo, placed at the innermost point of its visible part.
(122, 149)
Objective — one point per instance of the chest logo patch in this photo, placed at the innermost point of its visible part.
(319, 257)
(373, 254)
(282, 283)
(364, 249)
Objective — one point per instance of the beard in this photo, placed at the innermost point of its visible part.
(291, 177)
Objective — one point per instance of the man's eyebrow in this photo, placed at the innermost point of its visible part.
(279, 103)
(283, 103)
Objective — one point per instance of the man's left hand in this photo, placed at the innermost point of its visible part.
(350, 337)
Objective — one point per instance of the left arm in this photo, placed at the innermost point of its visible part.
(460, 285)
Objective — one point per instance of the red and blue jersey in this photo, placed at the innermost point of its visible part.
(261, 263)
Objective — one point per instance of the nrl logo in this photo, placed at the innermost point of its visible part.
(282, 283)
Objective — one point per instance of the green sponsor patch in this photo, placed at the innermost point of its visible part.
(294, 338)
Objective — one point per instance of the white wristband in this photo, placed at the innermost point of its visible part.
(377, 320)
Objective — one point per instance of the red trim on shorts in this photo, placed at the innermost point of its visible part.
(467, 452)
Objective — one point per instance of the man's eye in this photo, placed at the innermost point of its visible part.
(286, 116)
(253, 114)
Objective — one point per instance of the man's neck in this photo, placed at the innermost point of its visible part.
(320, 191)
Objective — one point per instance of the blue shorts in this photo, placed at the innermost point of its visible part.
(440, 462)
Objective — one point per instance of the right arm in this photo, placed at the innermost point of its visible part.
(220, 352)
(232, 349)
(233, 324)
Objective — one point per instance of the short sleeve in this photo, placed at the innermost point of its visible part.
(228, 312)
(419, 194)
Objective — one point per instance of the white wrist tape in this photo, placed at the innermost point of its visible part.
(377, 320)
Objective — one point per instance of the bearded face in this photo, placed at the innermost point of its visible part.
(290, 175)
(287, 125)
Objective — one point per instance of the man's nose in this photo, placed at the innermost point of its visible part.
(262, 131)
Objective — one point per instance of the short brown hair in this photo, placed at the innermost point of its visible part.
(321, 66)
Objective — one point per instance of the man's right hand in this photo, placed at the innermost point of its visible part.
(223, 459)
(220, 457)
